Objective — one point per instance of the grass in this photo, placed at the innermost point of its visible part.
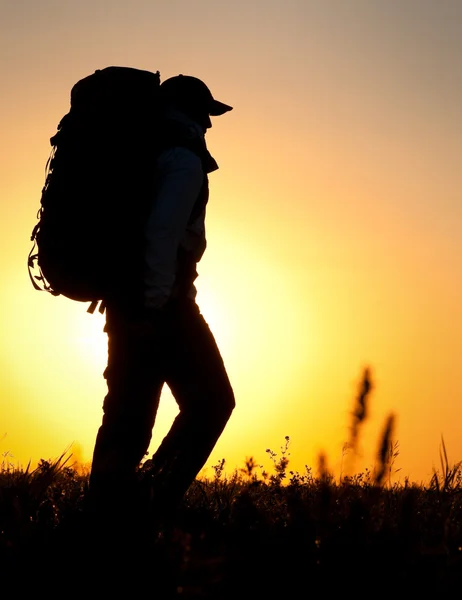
(250, 534)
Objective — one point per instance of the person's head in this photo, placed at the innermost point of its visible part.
(193, 97)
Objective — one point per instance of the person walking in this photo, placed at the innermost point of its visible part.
(156, 333)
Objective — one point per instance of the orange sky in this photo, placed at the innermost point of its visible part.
(333, 226)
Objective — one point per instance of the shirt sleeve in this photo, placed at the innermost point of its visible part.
(180, 177)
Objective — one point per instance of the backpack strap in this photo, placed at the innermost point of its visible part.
(102, 306)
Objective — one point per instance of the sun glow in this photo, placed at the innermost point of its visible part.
(333, 225)
(89, 339)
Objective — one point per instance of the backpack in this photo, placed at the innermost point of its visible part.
(88, 241)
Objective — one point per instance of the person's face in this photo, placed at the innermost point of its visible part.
(200, 115)
(206, 122)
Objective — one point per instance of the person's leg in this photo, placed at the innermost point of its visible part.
(134, 379)
(197, 377)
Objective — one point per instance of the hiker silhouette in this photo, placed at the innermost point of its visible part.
(159, 336)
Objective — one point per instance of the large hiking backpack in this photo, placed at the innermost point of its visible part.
(88, 241)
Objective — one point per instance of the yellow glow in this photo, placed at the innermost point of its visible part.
(333, 223)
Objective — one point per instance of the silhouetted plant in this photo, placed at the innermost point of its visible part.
(450, 478)
(281, 464)
(231, 527)
(249, 470)
(387, 453)
(361, 409)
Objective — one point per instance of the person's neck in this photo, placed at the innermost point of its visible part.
(179, 115)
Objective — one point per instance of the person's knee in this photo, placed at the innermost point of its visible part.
(220, 411)
(230, 404)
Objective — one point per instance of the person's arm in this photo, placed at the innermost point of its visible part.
(180, 177)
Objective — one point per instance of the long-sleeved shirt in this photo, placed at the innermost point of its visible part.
(169, 230)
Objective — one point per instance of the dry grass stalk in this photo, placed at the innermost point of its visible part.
(387, 451)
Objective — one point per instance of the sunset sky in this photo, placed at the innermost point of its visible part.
(334, 224)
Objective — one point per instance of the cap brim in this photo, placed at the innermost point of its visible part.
(218, 108)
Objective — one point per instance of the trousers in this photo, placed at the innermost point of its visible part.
(176, 348)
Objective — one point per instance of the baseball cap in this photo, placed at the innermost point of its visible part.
(191, 91)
